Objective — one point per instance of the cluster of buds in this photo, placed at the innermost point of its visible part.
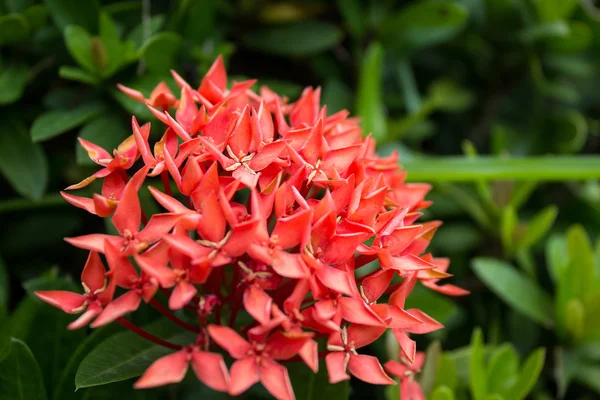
(273, 212)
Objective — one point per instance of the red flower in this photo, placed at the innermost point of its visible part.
(98, 292)
(278, 208)
(405, 370)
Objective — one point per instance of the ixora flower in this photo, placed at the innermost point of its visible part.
(285, 238)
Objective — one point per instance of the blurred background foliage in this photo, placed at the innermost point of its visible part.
(495, 101)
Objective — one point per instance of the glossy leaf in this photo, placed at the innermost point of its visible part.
(124, 355)
(79, 44)
(12, 83)
(20, 375)
(28, 175)
(295, 40)
(515, 289)
(64, 388)
(54, 123)
(369, 99)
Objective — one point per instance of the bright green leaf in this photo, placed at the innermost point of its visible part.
(423, 24)
(575, 317)
(124, 355)
(557, 256)
(461, 169)
(503, 370)
(79, 44)
(508, 224)
(515, 289)
(107, 131)
(20, 375)
(54, 123)
(14, 28)
(538, 226)
(446, 374)
(369, 99)
(442, 393)
(429, 370)
(160, 50)
(28, 175)
(477, 370)
(294, 40)
(71, 12)
(12, 83)
(582, 261)
(530, 372)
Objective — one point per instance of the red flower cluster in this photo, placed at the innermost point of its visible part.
(278, 207)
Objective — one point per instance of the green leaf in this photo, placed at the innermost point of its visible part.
(124, 355)
(64, 388)
(36, 16)
(530, 372)
(70, 12)
(310, 386)
(582, 262)
(449, 96)
(569, 131)
(77, 75)
(578, 39)
(22, 162)
(442, 393)
(4, 289)
(5, 339)
(54, 347)
(477, 370)
(14, 28)
(515, 289)
(544, 31)
(79, 44)
(589, 375)
(116, 52)
(503, 370)
(557, 256)
(294, 40)
(137, 34)
(336, 95)
(423, 24)
(53, 123)
(352, 13)
(160, 50)
(369, 98)
(461, 169)
(446, 374)
(575, 318)
(539, 225)
(18, 6)
(107, 131)
(429, 371)
(20, 375)
(508, 224)
(12, 83)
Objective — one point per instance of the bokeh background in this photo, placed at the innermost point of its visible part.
(496, 102)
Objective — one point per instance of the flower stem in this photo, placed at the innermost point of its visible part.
(146, 335)
(167, 313)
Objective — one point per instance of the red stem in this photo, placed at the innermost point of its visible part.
(146, 335)
(167, 313)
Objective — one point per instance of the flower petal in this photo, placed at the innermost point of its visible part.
(211, 370)
(229, 340)
(368, 369)
(276, 380)
(165, 370)
(244, 373)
